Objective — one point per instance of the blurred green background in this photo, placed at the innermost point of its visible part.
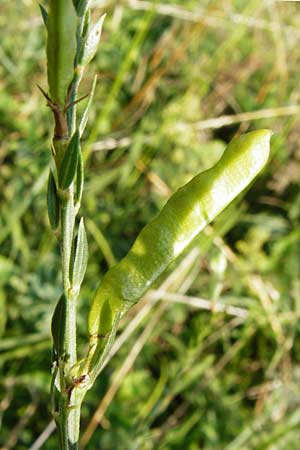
(211, 360)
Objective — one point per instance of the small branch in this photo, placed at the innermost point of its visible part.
(199, 303)
(219, 122)
(216, 18)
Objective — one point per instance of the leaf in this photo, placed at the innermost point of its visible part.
(68, 165)
(61, 48)
(81, 257)
(86, 24)
(90, 44)
(85, 115)
(183, 217)
(58, 325)
(44, 15)
(81, 6)
(52, 202)
(79, 179)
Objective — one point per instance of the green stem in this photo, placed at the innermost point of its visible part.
(69, 423)
(67, 231)
(69, 403)
(68, 420)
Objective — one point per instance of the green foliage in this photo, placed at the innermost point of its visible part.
(81, 6)
(79, 179)
(58, 326)
(80, 259)
(68, 167)
(84, 118)
(52, 202)
(91, 43)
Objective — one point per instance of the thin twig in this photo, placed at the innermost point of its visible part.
(111, 143)
(200, 303)
(219, 122)
(40, 441)
(216, 18)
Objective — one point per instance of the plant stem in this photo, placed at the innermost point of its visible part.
(67, 231)
(69, 385)
(69, 422)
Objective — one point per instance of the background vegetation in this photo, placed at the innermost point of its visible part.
(210, 358)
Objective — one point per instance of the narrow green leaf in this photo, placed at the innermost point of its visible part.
(86, 23)
(85, 115)
(68, 168)
(81, 257)
(79, 179)
(58, 325)
(81, 6)
(52, 202)
(44, 15)
(90, 44)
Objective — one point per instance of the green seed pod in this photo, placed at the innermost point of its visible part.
(61, 47)
(186, 213)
